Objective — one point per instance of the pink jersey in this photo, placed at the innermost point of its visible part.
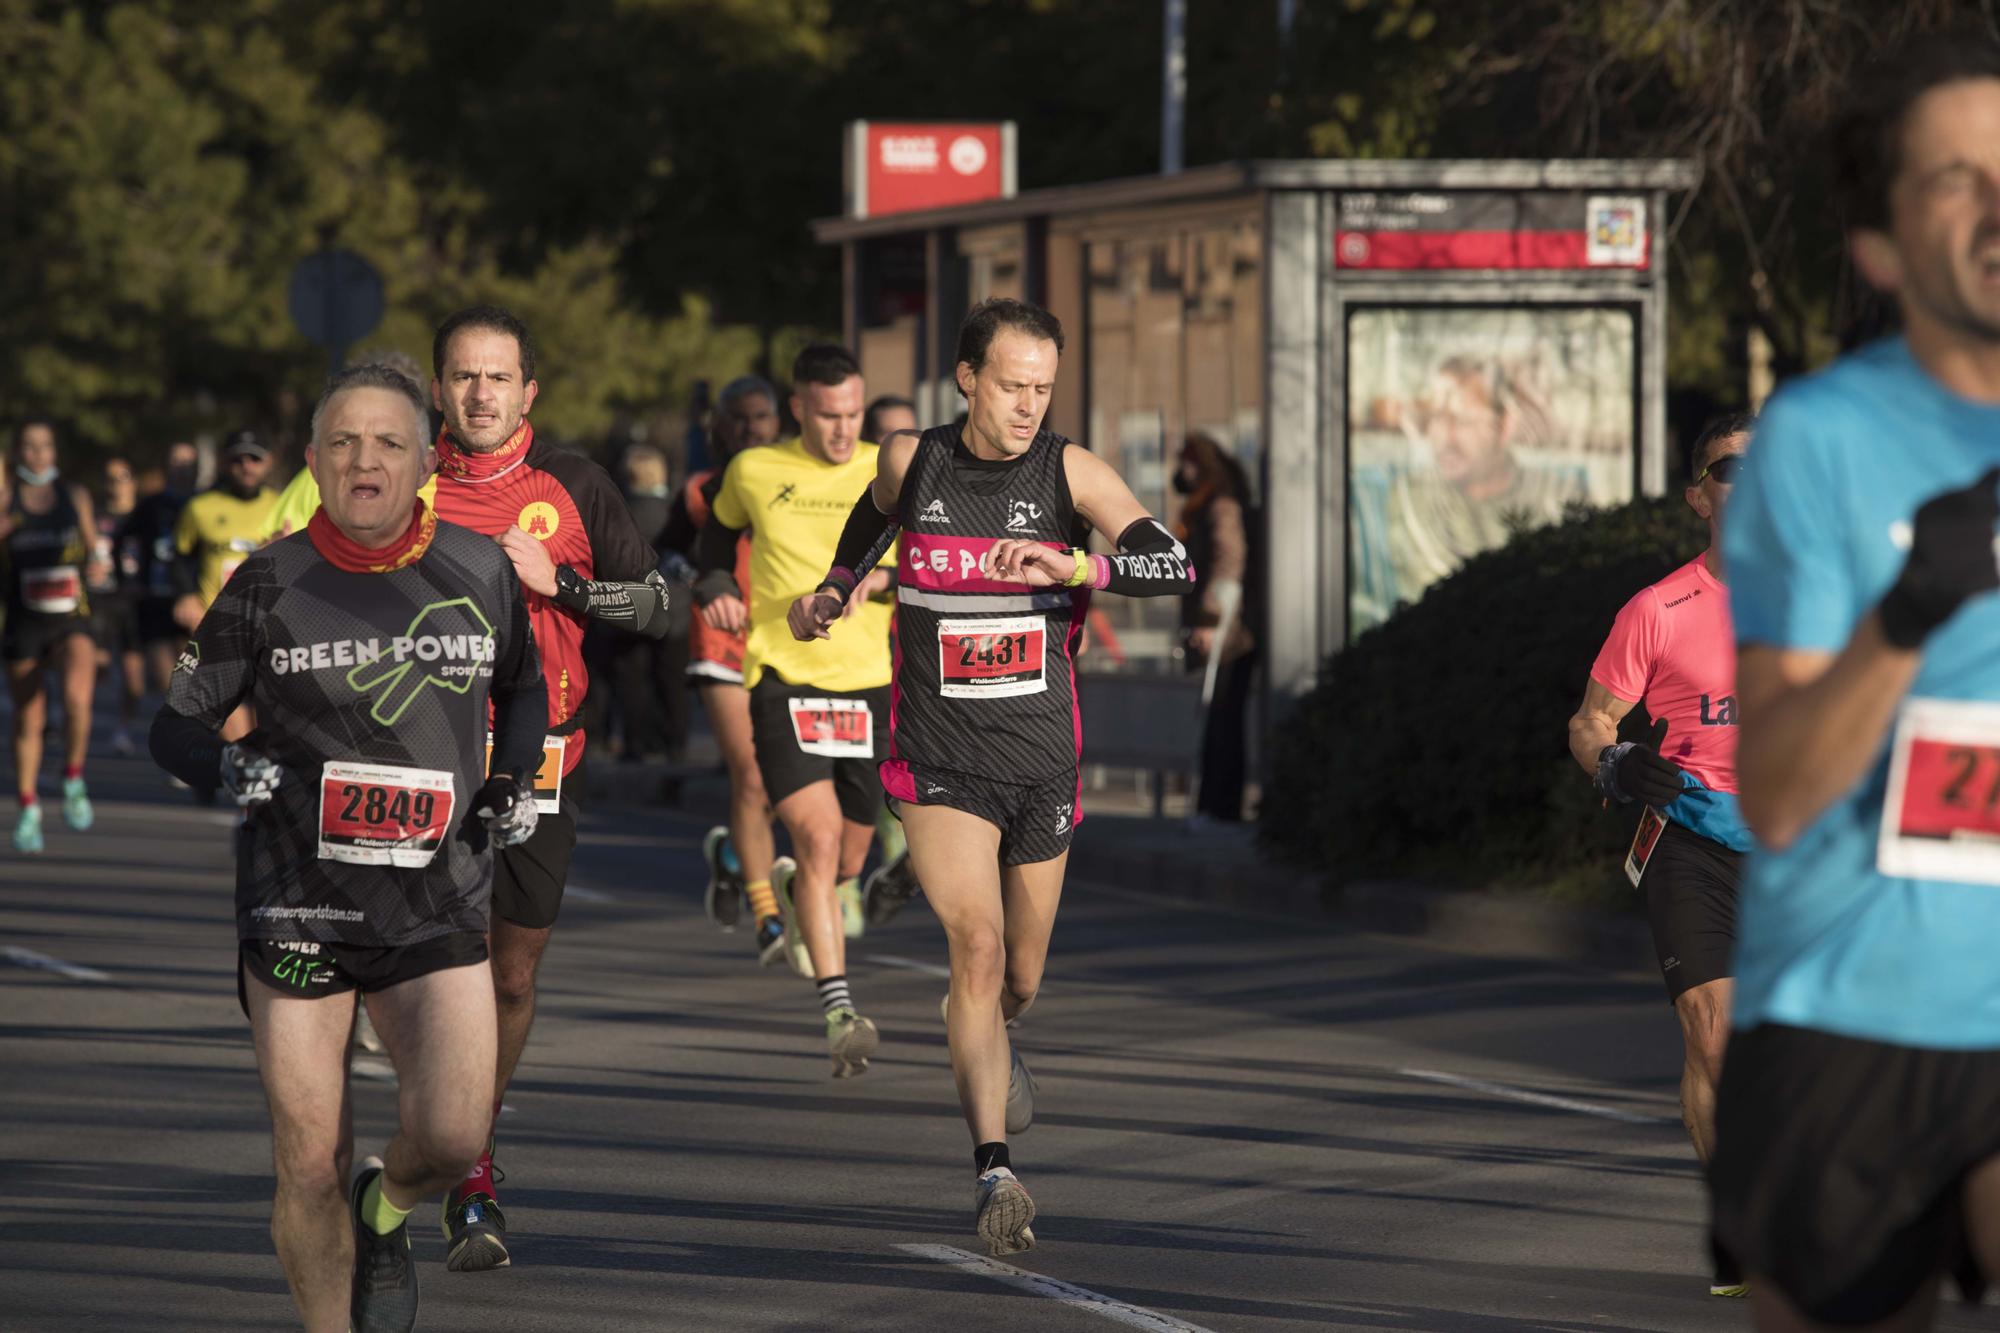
(1672, 649)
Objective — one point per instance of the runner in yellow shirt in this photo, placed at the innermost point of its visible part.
(216, 531)
(819, 713)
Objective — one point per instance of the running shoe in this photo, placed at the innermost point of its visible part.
(724, 899)
(851, 920)
(121, 744)
(475, 1230)
(76, 805)
(1728, 1280)
(783, 870)
(770, 940)
(850, 1039)
(385, 1279)
(886, 891)
(1001, 1212)
(1020, 1097)
(28, 829)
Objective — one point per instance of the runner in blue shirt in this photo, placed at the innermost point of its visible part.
(1858, 1121)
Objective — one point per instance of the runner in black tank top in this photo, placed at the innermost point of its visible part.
(45, 548)
(984, 739)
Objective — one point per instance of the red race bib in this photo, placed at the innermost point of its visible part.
(383, 815)
(992, 659)
(1941, 814)
(1651, 825)
(548, 778)
(51, 591)
(835, 728)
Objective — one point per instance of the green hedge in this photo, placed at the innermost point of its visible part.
(1436, 745)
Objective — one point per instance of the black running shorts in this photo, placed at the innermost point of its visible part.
(528, 877)
(30, 635)
(785, 718)
(311, 971)
(157, 623)
(1840, 1164)
(1690, 885)
(1036, 820)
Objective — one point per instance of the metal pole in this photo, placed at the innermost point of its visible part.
(1173, 83)
(1287, 10)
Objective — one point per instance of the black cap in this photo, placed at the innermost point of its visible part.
(244, 442)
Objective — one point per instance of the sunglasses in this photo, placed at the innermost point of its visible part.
(1723, 469)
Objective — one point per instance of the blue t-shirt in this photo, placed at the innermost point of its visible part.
(1815, 533)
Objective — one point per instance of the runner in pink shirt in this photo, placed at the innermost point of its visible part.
(1672, 648)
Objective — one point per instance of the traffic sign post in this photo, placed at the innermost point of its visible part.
(335, 298)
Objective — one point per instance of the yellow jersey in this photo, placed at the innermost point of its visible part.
(221, 530)
(300, 500)
(795, 506)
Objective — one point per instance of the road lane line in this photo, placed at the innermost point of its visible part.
(1536, 1098)
(41, 962)
(583, 895)
(912, 964)
(1082, 1298)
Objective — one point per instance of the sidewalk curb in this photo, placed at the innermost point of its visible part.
(1465, 921)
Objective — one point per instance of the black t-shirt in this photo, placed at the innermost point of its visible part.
(371, 692)
(144, 546)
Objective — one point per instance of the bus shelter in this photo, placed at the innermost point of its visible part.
(1411, 359)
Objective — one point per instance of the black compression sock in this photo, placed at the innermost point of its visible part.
(988, 1156)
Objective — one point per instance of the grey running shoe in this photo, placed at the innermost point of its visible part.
(850, 1040)
(1020, 1097)
(384, 1298)
(1002, 1211)
(887, 890)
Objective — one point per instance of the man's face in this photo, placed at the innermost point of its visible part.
(183, 462)
(745, 423)
(37, 450)
(480, 389)
(889, 420)
(830, 417)
(1007, 398)
(369, 460)
(1465, 431)
(1941, 254)
(1710, 495)
(246, 472)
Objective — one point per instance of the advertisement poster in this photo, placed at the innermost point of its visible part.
(1465, 426)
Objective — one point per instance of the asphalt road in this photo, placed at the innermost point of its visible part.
(1244, 1124)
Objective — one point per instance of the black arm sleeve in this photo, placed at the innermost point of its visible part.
(715, 556)
(186, 570)
(520, 696)
(680, 533)
(640, 607)
(866, 538)
(187, 749)
(1150, 563)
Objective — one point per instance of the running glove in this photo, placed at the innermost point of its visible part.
(1629, 771)
(1951, 561)
(249, 777)
(508, 808)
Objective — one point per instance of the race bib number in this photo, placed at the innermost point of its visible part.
(835, 728)
(383, 815)
(548, 778)
(52, 591)
(992, 659)
(1941, 816)
(1651, 825)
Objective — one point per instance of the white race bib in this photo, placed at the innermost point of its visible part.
(835, 728)
(1651, 825)
(1941, 815)
(992, 659)
(54, 590)
(382, 814)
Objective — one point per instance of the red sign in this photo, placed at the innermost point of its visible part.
(901, 168)
(1486, 229)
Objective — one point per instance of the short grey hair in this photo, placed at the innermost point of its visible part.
(743, 386)
(374, 375)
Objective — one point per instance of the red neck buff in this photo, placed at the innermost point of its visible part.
(343, 552)
(462, 464)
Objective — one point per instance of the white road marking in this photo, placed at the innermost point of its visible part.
(912, 964)
(584, 895)
(1082, 1298)
(41, 962)
(1536, 1098)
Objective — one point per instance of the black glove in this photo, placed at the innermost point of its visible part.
(508, 808)
(1629, 771)
(1951, 561)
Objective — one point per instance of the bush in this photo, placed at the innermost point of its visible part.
(1436, 745)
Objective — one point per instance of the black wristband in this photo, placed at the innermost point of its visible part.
(572, 589)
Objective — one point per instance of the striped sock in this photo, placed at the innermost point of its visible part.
(833, 993)
(763, 902)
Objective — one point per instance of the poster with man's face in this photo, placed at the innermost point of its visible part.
(1465, 426)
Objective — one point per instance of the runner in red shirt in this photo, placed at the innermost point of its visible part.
(1673, 647)
(578, 554)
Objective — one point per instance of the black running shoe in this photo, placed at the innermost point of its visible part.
(724, 899)
(887, 890)
(384, 1299)
(1728, 1279)
(770, 940)
(475, 1233)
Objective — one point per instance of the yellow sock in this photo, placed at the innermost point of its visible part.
(377, 1213)
(763, 902)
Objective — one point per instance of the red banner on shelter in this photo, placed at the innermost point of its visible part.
(1488, 229)
(903, 168)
